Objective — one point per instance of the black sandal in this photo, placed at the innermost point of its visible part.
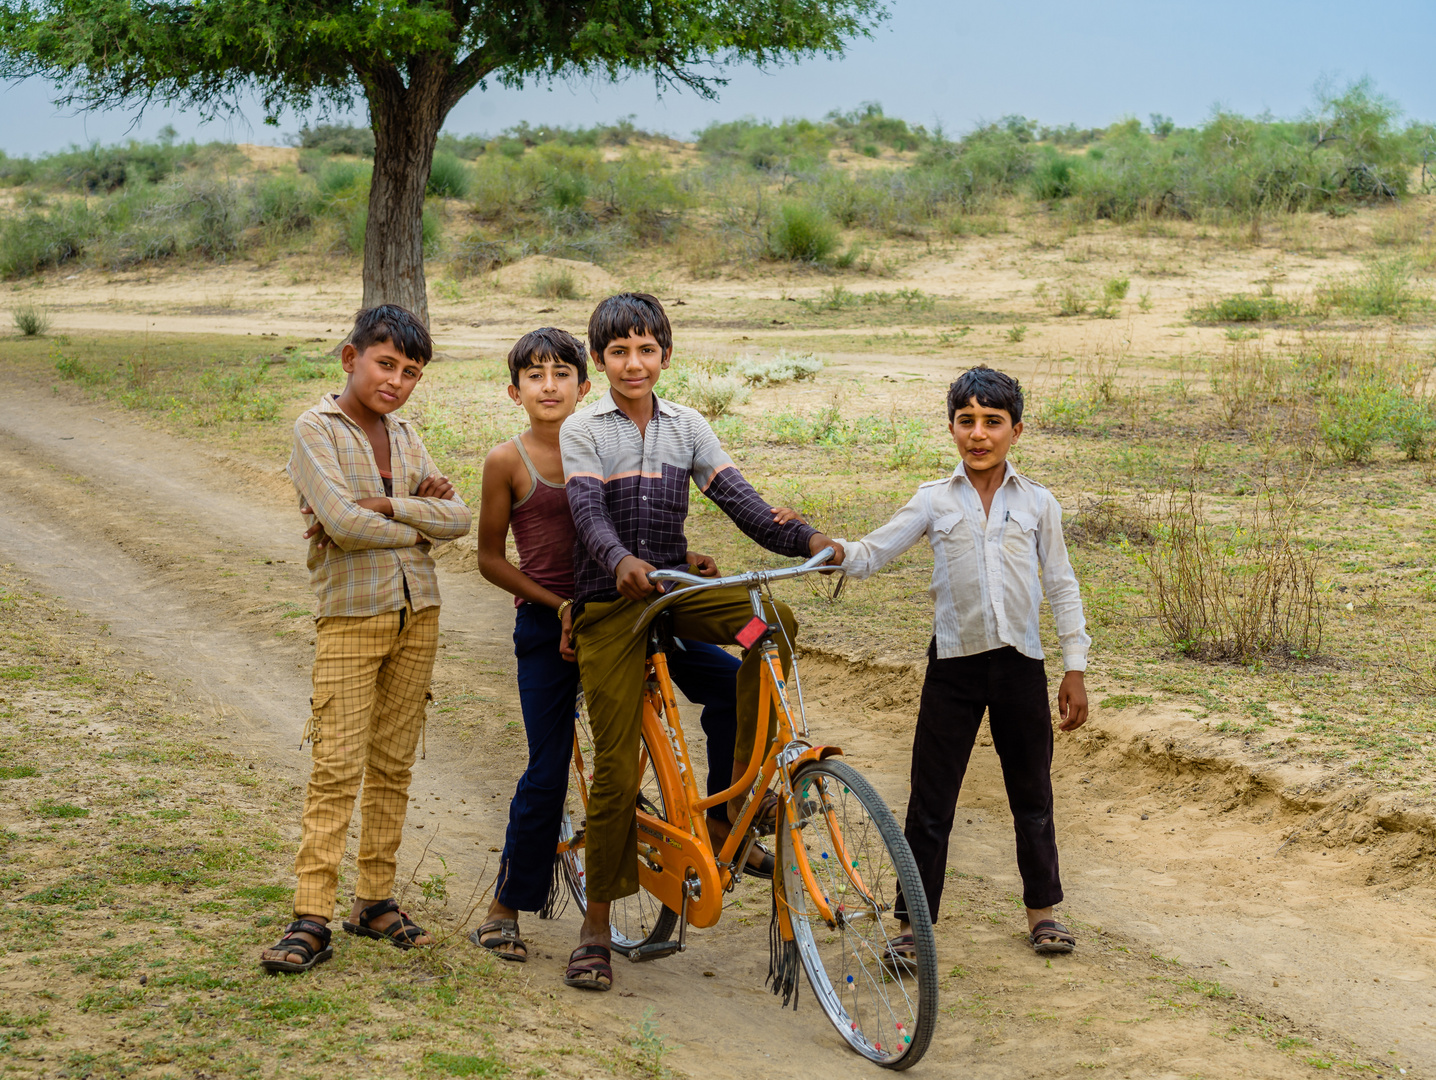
(587, 966)
(1051, 937)
(501, 932)
(401, 934)
(766, 819)
(765, 866)
(291, 942)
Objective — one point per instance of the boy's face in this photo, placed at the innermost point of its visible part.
(632, 365)
(549, 390)
(983, 435)
(381, 377)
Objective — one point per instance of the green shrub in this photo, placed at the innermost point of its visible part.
(1352, 420)
(37, 240)
(802, 232)
(556, 284)
(792, 146)
(341, 178)
(285, 203)
(711, 394)
(448, 177)
(1243, 308)
(1116, 288)
(1412, 425)
(337, 139)
(785, 367)
(1383, 288)
(31, 320)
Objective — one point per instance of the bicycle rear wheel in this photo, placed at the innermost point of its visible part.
(638, 919)
(886, 1010)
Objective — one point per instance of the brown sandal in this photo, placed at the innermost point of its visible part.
(401, 934)
(590, 968)
(1050, 937)
(495, 934)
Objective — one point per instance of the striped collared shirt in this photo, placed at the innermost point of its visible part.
(988, 570)
(372, 558)
(629, 493)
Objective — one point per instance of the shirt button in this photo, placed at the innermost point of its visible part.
(644, 498)
(643, 542)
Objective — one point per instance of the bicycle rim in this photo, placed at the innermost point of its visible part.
(885, 1011)
(638, 919)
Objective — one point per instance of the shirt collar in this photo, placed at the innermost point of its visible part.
(960, 473)
(329, 403)
(607, 404)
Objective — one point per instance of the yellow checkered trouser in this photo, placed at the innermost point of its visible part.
(371, 679)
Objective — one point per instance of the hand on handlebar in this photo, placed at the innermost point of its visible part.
(632, 576)
(702, 565)
(819, 541)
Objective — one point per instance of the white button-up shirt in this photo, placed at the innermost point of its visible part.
(989, 570)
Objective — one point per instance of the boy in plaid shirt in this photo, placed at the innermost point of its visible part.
(378, 504)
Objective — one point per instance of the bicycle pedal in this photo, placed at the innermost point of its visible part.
(654, 950)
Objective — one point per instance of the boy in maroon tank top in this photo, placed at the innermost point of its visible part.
(523, 491)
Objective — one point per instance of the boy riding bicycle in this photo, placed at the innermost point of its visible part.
(628, 459)
(523, 490)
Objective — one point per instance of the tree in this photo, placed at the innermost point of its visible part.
(411, 60)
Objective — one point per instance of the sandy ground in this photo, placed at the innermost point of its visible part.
(190, 560)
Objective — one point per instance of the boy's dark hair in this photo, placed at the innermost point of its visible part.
(547, 343)
(625, 315)
(993, 389)
(396, 325)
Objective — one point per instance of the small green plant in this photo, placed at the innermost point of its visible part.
(465, 1064)
(785, 367)
(1116, 289)
(448, 289)
(1383, 288)
(31, 320)
(52, 809)
(1351, 422)
(435, 888)
(1243, 308)
(650, 1043)
(559, 284)
(1073, 301)
(449, 177)
(1412, 425)
(802, 232)
(18, 772)
(1144, 301)
(1016, 333)
(712, 394)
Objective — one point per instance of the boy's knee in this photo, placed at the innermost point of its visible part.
(786, 617)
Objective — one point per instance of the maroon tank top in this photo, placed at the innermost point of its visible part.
(543, 532)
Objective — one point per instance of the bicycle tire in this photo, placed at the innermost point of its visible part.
(886, 1012)
(635, 920)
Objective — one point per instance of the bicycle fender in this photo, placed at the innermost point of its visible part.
(676, 853)
(813, 753)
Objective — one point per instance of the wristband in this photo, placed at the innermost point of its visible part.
(562, 608)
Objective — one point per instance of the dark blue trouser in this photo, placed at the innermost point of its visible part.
(548, 688)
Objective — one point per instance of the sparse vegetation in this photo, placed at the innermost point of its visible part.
(31, 320)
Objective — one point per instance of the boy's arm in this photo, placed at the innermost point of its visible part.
(495, 510)
(719, 479)
(583, 482)
(1060, 585)
(314, 468)
(867, 556)
(447, 518)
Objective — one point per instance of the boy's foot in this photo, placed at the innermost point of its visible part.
(901, 955)
(501, 936)
(305, 944)
(1049, 937)
(386, 922)
(590, 968)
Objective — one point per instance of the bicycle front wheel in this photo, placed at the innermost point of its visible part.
(883, 1004)
(638, 919)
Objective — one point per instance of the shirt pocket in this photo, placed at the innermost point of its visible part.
(943, 526)
(1019, 538)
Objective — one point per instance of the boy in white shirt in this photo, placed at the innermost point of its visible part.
(997, 545)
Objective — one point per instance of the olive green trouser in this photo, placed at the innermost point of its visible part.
(610, 664)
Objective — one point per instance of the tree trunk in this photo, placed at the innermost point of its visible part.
(406, 122)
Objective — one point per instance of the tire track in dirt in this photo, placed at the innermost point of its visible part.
(193, 561)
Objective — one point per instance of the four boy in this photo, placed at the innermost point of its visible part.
(597, 499)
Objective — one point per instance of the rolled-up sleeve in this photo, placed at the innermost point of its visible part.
(1059, 582)
(315, 469)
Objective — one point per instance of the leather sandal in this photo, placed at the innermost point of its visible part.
(291, 942)
(1051, 937)
(401, 934)
(497, 933)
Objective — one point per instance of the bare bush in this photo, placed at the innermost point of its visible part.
(1108, 518)
(1235, 592)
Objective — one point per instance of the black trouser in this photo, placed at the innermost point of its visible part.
(1012, 688)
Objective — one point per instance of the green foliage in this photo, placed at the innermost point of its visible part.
(31, 320)
(1383, 288)
(465, 1064)
(802, 232)
(868, 128)
(792, 146)
(1243, 308)
(785, 367)
(449, 177)
(52, 809)
(712, 393)
(337, 139)
(1412, 425)
(556, 284)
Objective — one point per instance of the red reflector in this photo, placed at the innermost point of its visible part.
(751, 634)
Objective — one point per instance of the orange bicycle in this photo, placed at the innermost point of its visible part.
(841, 857)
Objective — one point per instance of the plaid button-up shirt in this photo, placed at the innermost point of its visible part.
(629, 493)
(365, 570)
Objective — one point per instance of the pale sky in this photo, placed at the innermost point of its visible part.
(940, 61)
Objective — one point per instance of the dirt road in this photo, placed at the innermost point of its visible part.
(193, 561)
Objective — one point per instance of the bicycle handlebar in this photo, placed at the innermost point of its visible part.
(749, 578)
